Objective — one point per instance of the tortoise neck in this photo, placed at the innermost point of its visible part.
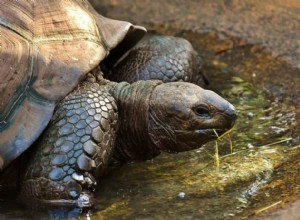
(132, 141)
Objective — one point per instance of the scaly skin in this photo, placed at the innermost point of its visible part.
(166, 58)
(73, 152)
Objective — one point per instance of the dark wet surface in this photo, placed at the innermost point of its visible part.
(263, 173)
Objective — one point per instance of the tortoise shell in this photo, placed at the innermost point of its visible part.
(46, 48)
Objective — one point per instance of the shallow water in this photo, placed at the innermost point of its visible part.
(189, 185)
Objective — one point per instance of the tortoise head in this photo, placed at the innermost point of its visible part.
(183, 116)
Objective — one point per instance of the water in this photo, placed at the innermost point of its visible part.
(189, 185)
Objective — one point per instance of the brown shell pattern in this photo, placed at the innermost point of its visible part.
(46, 47)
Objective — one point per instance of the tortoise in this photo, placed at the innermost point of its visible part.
(55, 101)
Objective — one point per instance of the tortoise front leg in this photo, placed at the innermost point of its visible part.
(73, 152)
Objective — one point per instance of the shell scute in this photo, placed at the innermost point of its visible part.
(46, 48)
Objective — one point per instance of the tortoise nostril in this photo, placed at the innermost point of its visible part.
(230, 111)
(231, 115)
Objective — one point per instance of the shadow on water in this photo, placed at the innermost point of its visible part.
(189, 184)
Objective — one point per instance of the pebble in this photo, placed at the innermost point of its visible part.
(181, 195)
(250, 114)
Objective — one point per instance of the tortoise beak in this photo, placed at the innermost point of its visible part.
(230, 115)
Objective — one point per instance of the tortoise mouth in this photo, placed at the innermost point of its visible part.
(199, 136)
(207, 133)
(192, 139)
(210, 133)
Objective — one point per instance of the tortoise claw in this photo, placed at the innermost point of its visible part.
(86, 180)
(85, 200)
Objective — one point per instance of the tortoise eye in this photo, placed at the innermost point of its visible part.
(202, 111)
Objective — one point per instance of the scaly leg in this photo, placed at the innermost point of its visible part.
(73, 152)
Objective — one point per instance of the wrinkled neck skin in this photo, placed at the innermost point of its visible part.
(133, 142)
